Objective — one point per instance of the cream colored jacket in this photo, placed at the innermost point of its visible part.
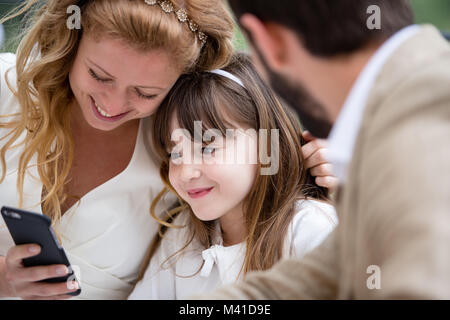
(394, 211)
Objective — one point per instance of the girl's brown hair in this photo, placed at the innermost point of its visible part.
(270, 205)
(48, 49)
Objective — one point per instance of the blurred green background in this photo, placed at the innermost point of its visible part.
(436, 12)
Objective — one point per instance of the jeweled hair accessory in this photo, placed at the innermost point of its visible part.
(182, 16)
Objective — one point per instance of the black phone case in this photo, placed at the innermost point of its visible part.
(36, 228)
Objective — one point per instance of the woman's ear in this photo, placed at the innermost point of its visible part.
(268, 38)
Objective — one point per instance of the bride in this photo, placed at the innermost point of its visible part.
(74, 131)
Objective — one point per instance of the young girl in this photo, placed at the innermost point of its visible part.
(74, 109)
(234, 216)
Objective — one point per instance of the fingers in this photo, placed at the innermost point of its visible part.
(17, 253)
(324, 176)
(50, 291)
(33, 274)
(307, 136)
(328, 182)
(312, 147)
(18, 273)
(24, 281)
(322, 170)
(317, 158)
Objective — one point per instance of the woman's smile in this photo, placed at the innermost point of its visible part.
(111, 90)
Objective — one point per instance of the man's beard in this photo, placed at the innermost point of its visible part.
(311, 113)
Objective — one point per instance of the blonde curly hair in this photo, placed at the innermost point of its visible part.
(47, 51)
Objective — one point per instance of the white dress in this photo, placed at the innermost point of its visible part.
(183, 275)
(106, 235)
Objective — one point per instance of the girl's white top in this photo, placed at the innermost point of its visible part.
(106, 235)
(198, 270)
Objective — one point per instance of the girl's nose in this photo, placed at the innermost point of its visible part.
(189, 172)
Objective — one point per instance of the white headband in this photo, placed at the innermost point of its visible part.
(228, 75)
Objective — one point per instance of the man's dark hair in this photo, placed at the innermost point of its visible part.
(330, 27)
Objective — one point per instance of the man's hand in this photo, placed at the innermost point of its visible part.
(314, 153)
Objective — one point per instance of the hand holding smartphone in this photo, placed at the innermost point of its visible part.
(31, 228)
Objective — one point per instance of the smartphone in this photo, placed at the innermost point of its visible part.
(27, 227)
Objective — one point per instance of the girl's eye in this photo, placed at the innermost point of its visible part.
(96, 77)
(208, 150)
(174, 155)
(143, 96)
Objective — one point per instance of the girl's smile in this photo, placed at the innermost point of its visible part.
(199, 193)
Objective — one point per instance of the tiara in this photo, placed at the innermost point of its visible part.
(182, 16)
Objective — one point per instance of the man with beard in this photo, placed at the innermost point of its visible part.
(384, 95)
